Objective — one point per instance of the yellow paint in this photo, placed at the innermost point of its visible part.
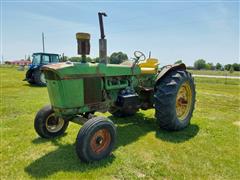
(237, 123)
(183, 101)
(150, 66)
(83, 36)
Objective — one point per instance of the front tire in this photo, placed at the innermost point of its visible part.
(96, 139)
(47, 125)
(174, 100)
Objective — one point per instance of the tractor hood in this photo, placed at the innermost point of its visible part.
(76, 70)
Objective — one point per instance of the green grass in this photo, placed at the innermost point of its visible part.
(208, 149)
(215, 73)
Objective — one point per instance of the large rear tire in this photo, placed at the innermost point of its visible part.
(39, 78)
(174, 100)
(96, 139)
(29, 77)
(47, 125)
(31, 81)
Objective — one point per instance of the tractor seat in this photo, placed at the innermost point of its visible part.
(149, 66)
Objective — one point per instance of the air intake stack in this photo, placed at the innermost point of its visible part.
(83, 40)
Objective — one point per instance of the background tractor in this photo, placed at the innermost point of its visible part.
(78, 90)
(34, 74)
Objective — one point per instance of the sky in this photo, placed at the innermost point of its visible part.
(171, 30)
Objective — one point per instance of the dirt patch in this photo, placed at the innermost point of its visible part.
(140, 175)
(237, 123)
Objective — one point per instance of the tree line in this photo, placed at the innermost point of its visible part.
(115, 58)
(202, 64)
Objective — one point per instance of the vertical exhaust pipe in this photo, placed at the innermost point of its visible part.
(102, 40)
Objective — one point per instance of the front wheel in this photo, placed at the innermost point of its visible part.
(174, 100)
(96, 139)
(47, 125)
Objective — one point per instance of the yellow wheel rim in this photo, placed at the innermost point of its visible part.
(183, 101)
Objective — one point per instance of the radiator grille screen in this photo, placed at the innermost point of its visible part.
(92, 90)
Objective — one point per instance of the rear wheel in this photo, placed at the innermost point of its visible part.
(174, 100)
(29, 77)
(96, 139)
(47, 125)
(31, 81)
(39, 78)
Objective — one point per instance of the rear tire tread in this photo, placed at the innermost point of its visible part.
(165, 99)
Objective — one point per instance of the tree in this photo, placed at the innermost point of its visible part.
(231, 70)
(227, 67)
(218, 66)
(236, 67)
(75, 59)
(29, 58)
(64, 58)
(210, 66)
(97, 59)
(178, 61)
(200, 64)
(89, 59)
(118, 57)
(79, 59)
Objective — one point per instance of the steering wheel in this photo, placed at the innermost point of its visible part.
(139, 56)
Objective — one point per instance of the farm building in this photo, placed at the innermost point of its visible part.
(21, 62)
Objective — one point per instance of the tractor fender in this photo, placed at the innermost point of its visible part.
(167, 69)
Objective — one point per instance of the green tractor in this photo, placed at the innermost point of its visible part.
(78, 90)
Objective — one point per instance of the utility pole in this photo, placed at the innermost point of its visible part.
(43, 42)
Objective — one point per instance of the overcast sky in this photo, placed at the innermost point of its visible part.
(170, 30)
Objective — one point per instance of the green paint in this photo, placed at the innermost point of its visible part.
(66, 92)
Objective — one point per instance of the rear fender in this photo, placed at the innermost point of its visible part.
(169, 68)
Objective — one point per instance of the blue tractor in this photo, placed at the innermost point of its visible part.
(34, 74)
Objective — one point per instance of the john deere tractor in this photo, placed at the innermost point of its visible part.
(78, 90)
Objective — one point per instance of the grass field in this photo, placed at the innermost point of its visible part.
(208, 149)
(216, 73)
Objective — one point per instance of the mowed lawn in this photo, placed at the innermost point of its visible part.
(208, 149)
(215, 72)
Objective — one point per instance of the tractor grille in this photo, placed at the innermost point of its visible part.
(92, 90)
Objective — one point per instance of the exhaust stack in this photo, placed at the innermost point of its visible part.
(102, 40)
